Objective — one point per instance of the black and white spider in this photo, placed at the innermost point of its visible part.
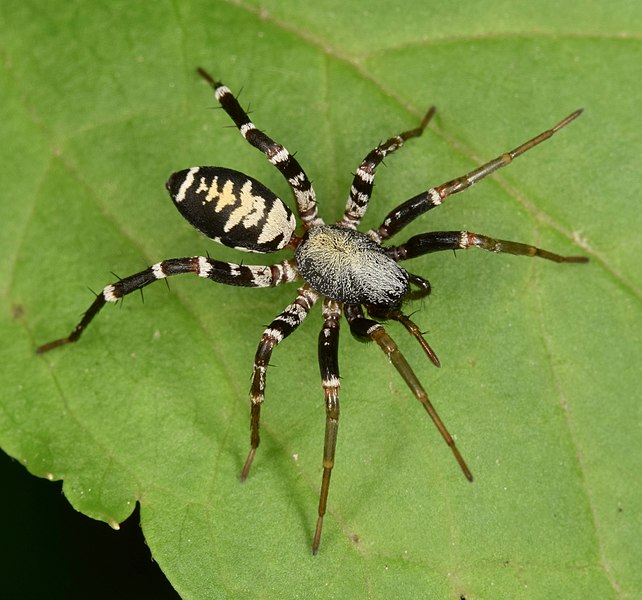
(346, 269)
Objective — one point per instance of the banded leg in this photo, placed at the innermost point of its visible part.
(361, 189)
(221, 272)
(329, 367)
(366, 329)
(276, 153)
(436, 241)
(277, 331)
(411, 209)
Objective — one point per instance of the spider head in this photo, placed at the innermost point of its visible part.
(346, 265)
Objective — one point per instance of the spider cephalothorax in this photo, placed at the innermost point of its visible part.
(346, 265)
(346, 269)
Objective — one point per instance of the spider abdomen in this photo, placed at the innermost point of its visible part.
(346, 265)
(232, 208)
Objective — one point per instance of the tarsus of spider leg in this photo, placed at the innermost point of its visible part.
(388, 345)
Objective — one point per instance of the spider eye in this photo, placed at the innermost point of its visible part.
(232, 208)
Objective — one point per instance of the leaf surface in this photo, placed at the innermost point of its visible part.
(539, 380)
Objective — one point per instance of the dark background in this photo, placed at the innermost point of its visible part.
(51, 551)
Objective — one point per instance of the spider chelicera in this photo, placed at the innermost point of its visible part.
(347, 270)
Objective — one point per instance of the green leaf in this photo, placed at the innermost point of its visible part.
(539, 381)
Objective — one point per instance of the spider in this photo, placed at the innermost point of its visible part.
(346, 270)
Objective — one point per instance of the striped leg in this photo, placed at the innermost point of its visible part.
(329, 366)
(411, 209)
(361, 189)
(462, 240)
(277, 331)
(366, 329)
(221, 272)
(276, 154)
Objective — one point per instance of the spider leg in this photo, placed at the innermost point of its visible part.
(367, 329)
(275, 152)
(423, 290)
(411, 209)
(221, 272)
(435, 241)
(361, 189)
(276, 332)
(329, 367)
